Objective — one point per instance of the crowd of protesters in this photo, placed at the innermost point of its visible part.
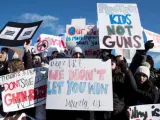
(134, 84)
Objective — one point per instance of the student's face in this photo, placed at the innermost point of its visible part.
(141, 78)
(3, 56)
(36, 60)
(77, 55)
(54, 54)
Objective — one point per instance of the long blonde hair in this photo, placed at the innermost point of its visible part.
(15, 65)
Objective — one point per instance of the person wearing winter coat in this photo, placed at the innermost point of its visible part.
(6, 55)
(140, 57)
(35, 61)
(140, 89)
(118, 77)
(77, 52)
(16, 65)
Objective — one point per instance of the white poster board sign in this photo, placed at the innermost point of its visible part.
(85, 37)
(119, 26)
(145, 112)
(24, 89)
(80, 84)
(50, 43)
(156, 40)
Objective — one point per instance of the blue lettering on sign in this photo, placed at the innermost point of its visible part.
(71, 31)
(75, 87)
(55, 87)
(120, 19)
(97, 88)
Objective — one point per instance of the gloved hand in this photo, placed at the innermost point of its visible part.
(106, 50)
(124, 66)
(149, 45)
(105, 56)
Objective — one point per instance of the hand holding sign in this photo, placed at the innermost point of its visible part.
(25, 46)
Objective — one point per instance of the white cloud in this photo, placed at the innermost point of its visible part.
(49, 22)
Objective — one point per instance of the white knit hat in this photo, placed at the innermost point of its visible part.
(77, 50)
(143, 69)
(146, 64)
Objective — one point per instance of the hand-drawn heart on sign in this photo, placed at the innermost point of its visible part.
(15, 34)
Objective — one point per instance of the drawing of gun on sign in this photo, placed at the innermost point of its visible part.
(41, 46)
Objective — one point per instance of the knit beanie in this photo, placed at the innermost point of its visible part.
(77, 50)
(144, 68)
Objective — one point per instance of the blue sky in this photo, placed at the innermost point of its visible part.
(57, 13)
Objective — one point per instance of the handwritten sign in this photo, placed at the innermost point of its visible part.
(24, 89)
(53, 42)
(80, 84)
(145, 112)
(85, 36)
(15, 34)
(119, 26)
(156, 40)
(42, 46)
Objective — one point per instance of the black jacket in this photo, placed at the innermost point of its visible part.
(138, 95)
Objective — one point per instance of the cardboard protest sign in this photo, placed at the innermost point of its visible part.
(156, 40)
(15, 34)
(119, 26)
(41, 46)
(145, 112)
(80, 84)
(24, 89)
(128, 54)
(49, 42)
(85, 37)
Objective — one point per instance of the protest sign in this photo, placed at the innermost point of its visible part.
(119, 26)
(145, 112)
(24, 89)
(15, 34)
(41, 46)
(156, 40)
(80, 84)
(85, 37)
(51, 42)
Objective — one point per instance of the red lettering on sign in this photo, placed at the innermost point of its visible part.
(23, 96)
(58, 43)
(56, 74)
(80, 74)
(11, 85)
